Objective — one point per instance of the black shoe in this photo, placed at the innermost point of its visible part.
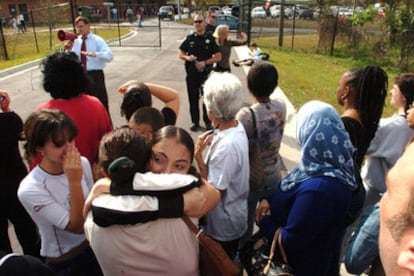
(195, 128)
(209, 126)
(235, 63)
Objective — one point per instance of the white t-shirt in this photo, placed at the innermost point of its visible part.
(46, 198)
(257, 54)
(228, 170)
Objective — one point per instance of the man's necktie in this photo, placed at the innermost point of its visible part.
(83, 49)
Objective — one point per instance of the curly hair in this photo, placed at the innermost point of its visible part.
(63, 75)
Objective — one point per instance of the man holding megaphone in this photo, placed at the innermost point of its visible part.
(93, 53)
(64, 35)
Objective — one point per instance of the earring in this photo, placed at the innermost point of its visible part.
(343, 97)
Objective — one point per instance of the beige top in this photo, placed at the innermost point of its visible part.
(161, 247)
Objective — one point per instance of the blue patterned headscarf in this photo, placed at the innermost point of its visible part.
(326, 149)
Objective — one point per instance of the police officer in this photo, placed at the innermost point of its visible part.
(199, 51)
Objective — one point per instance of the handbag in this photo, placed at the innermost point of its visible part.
(214, 261)
(255, 159)
(258, 256)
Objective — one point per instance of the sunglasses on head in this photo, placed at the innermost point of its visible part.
(198, 21)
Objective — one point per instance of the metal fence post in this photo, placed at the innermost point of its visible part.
(3, 43)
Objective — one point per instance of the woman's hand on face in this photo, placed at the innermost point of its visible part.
(101, 186)
(194, 202)
(4, 101)
(262, 210)
(72, 165)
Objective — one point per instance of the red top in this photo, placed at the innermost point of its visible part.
(91, 118)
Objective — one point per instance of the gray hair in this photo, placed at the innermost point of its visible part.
(223, 95)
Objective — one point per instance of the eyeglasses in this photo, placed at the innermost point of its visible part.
(213, 16)
(198, 21)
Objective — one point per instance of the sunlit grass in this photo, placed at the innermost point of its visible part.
(305, 75)
(22, 48)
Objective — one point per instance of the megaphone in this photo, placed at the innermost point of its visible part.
(64, 35)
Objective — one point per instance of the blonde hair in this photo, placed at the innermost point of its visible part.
(219, 33)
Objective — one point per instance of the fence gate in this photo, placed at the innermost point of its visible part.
(142, 33)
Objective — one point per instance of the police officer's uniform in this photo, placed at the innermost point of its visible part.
(203, 47)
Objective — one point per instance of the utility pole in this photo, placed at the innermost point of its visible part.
(49, 16)
(72, 13)
(282, 22)
(179, 10)
(6, 56)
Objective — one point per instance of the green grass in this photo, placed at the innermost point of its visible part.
(305, 75)
(22, 48)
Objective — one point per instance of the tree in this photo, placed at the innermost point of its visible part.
(406, 39)
(399, 21)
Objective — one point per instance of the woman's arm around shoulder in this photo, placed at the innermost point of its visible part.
(211, 195)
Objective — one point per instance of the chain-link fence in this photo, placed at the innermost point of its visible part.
(112, 21)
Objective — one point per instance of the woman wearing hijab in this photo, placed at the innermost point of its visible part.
(311, 202)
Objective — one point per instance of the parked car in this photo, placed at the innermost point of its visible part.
(258, 12)
(185, 10)
(235, 10)
(226, 10)
(305, 13)
(217, 9)
(166, 12)
(275, 11)
(345, 12)
(230, 20)
(316, 13)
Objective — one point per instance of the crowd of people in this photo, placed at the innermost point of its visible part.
(99, 200)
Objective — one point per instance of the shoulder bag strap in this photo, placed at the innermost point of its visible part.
(194, 228)
(200, 235)
(254, 122)
(277, 239)
(281, 249)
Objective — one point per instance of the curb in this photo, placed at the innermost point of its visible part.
(19, 68)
